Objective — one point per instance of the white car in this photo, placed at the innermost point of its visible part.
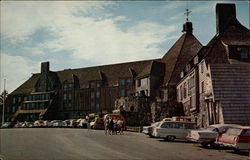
(171, 130)
(57, 123)
(208, 136)
(148, 129)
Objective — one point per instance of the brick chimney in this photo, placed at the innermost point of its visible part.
(224, 13)
(45, 67)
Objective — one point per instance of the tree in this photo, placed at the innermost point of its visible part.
(3, 97)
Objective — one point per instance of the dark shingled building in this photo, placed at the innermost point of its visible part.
(144, 88)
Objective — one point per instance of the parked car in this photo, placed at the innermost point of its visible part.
(98, 123)
(8, 125)
(38, 123)
(237, 138)
(82, 123)
(57, 123)
(171, 130)
(148, 129)
(47, 123)
(207, 137)
(66, 123)
(73, 123)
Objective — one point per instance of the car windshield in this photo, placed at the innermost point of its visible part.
(211, 128)
(235, 131)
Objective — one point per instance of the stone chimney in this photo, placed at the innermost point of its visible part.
(224, 13)
(188, 27)
(45, 67)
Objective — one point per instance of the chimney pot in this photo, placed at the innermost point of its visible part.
(225, 12)
(45, 67)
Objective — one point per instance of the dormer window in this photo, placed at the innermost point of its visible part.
(243, 52)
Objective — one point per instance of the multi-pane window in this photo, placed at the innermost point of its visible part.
(97, 106)
(123, 92)
(97, 94)
(64, 96)
(19, 99)
(202, 66)
(13, 109)
(144, 81)
(244, 53)
(122, 82)
(202, 87)
(92, 95)
(98, 84)
(185, 90)
(129, 81)
(70, 96)
(14, 100)
(92, 104)
(92, 85)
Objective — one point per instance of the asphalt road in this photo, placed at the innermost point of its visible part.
(71, 144)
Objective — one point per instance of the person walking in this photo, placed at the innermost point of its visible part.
(106, 125)
(111, 126)
(121, 125)
(115, 126)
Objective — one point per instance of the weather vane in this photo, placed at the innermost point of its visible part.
(187, 12)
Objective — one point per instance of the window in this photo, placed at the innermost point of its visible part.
(92, 104)
(202, 66)
(138, 83)
(70, 86)
(196, 60)
(97, 106)
(92, 95)
(185, 90)
(98, 84)
(19, 99)
(47, 96)
(202, 87)
(123, 92)
(14, 100)
(244, 53)
(32, 105)
(92, 85)
(70, 96)
(65, 86)
(129, 81)
(64, 96)
(13, 109)
(144, 81)
(97, 94)
(122, 82)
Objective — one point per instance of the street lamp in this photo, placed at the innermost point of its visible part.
(3, 98)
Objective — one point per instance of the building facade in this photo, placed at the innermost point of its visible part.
(214, 86)
(185, 81)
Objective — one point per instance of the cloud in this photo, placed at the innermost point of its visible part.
(76, 35)
(16, 70)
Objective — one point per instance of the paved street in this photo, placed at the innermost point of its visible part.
(67, 144)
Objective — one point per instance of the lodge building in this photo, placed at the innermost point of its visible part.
(179, 83)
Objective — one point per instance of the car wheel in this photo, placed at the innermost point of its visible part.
(170, 138)
(204, 144)
(151, 136)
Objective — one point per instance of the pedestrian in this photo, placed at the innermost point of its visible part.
(115, 126)
(111, 126)
(121, 125)
(106, 125)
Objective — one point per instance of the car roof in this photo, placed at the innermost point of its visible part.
(221, 125)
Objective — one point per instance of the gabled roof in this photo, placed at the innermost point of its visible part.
(234, 34)
(178, 56)
(154, 68)
(112, 73)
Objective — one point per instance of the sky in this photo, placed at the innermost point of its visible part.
(77, 34)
